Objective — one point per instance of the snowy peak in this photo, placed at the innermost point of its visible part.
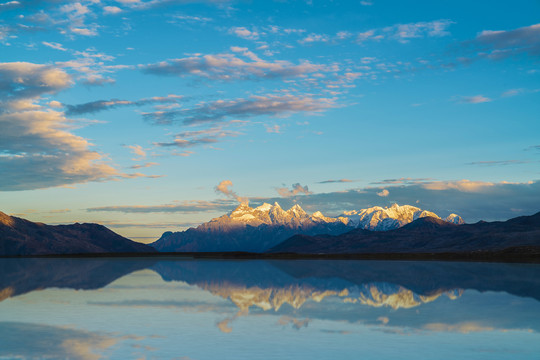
(381, 219)
(374, 218)
(297, 212)
(273, 215)
(454, 219)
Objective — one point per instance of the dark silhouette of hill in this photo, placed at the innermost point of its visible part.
(22, 275)
(426, 235)
(22, 237)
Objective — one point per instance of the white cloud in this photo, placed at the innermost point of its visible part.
(217, 111)
(405, 32)
(187, 139)
(137, 150)
(54, 45)
(38, 148)
(383, 193)
(276, 129)
(230, 66)
(38, 152)
(295, 190)
(461, 185)
(244, 33)
(28, 80)
(311, 38)
(512, 92)
(224, 188)
(477, 99)
(111, 10)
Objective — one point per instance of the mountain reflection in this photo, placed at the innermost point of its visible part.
(175, 308)
(269, 285)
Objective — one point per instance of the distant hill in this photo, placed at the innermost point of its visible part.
(426, 235)
(259, 229)
(22, 237)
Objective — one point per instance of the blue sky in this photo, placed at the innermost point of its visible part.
(130, 113)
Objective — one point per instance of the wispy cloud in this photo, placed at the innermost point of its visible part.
(145, 165)
(76, 14)
(230, 66)
(225, 188)
(54, 45)
(477, 99)
(100, 105)
(511, 42)
(244, 33)
(187, 139)
(335, 181)
(499, 162)
(273, 129)
(405, 32)
(402, 181)
(180, 207)
(137, 150)
(91, 67)
(191, 18)
(217, 111)
(312, 38)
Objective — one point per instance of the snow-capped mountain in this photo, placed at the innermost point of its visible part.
(271, 215)
(388, 218)
(260, 228)
(251, 229)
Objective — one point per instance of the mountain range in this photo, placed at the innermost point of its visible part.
(22, 237)
(519, 235)
(261, 228)
(270, 230)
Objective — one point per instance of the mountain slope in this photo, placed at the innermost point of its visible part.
(258, 229)
(250, 229)
(22, 237)
(425, 235)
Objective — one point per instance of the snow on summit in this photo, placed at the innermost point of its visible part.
(374, 218)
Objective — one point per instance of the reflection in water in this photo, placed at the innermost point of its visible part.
(148, 307)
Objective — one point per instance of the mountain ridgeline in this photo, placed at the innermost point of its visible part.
(19, 237)
(262, 228)
(515, 237)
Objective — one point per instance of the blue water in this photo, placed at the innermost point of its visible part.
(205, 309)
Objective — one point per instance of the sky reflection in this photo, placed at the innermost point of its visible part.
(267, 309)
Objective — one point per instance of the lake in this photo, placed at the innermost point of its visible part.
(174, 308)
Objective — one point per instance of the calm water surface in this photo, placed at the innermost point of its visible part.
(304, 309)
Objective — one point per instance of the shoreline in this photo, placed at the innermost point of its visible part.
(484, 256)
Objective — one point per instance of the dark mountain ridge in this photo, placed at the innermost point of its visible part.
(425, 235)
(23, 237)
